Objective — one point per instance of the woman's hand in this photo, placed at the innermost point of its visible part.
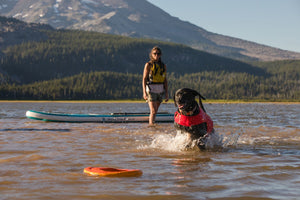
(167, 97)
(145, 96)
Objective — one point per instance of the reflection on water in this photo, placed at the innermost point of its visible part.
(36, 129)
(258, 158)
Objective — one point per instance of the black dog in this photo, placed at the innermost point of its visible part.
(192, 118)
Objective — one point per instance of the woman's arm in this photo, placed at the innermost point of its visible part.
(166, 86)
(145, 78)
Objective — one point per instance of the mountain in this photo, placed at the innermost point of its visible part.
(13, 31)
(139, 19)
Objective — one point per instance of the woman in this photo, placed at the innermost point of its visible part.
(155, 83)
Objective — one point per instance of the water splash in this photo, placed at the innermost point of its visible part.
(214, 141)
(181, 142)
(231, 140)
(168, 142)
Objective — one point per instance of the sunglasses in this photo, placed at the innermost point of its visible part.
(156, 53)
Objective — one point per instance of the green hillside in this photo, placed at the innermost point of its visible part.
(63, 64)
(66, 53)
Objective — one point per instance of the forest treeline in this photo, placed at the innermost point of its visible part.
(114, 85)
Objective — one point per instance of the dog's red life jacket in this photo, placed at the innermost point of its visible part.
(189, 121)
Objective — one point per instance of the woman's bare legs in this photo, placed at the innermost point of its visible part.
(153, 105)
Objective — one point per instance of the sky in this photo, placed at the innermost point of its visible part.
(275, 23)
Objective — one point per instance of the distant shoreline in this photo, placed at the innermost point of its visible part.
(141, 101)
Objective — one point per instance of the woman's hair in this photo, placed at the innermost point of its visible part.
(156, 48)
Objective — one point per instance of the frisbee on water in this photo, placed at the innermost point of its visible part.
(107, 171)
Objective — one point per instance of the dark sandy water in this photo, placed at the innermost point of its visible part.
(259, 157)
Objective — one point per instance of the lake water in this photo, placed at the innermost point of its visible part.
(258, 157)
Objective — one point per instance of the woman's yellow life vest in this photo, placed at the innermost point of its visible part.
(157, 73)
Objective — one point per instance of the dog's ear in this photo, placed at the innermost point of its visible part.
(175, 96)
(195, 93)
(174, 100)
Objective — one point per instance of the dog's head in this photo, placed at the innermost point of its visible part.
(184, 99)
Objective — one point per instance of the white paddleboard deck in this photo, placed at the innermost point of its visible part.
(107, 118)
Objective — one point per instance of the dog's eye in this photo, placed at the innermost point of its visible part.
(181, 101)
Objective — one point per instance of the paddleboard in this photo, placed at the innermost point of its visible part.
(107, 171)
(108, 118)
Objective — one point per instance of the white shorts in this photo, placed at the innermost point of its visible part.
(155, 88)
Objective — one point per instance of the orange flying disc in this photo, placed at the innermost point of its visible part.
(107, 171)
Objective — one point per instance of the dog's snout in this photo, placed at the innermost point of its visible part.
(180, 106)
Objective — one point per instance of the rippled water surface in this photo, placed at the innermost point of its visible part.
(258, 157)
